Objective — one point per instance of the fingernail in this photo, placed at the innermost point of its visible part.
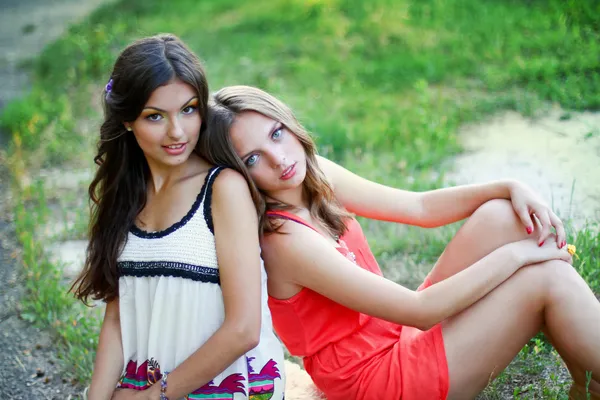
(529, 230)
(564, 242)
(541, 244)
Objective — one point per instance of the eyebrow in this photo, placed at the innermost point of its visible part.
(273, 127)
(161, 110)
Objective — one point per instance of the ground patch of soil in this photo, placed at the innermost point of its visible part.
(557, 154)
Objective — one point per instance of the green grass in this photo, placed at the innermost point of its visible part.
(47, 302)
(383, 84)
(538, 371)
(363, 74)
(587, 261)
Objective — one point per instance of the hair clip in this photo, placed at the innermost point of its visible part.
(108, 86)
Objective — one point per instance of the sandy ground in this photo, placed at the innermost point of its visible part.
(557, 154)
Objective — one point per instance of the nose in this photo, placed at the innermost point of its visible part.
(276, 158)
(175, 130)
(275, 155)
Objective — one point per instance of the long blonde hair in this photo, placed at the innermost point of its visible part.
(216, 146)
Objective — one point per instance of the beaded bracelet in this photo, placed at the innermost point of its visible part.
(163, 387)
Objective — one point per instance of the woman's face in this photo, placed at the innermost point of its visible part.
(274, 156)
(168, 127)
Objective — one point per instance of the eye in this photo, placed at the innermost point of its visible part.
(277, 133)
(250, 161)
(154, 117)
(189, 109)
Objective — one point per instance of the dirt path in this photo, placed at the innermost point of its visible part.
(558, 154)
(28, 364)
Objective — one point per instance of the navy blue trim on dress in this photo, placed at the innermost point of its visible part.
(169, 268)
(207, 201)
(159, 234)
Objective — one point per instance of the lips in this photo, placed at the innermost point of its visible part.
(175, 149)
(289, 172)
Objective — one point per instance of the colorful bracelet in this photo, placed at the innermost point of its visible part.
(163, 387)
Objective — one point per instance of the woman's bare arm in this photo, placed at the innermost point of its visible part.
(307, 259)
(109, 355)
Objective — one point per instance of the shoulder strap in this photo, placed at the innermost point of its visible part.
(280, 214)
(210, 179)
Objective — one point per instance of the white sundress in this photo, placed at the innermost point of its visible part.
(171, 303)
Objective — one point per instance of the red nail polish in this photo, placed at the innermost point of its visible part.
(541, 244)
(529, 230)
(564, 242)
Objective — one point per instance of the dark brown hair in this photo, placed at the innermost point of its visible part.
(118, 190)
(215, 145)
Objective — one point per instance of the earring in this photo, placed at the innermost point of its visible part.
(128, 128)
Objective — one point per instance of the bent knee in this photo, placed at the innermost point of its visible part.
(495, 209)
(498, 215)
(551, 277)
(562, 279)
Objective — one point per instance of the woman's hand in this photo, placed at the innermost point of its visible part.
(526, 203)
(529, 252)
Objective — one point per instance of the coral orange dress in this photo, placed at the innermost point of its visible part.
(351, 355)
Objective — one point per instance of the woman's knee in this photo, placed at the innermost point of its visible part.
(562, 280)
(498, 211)
(496, 223)
(549, 278)
(498, 217)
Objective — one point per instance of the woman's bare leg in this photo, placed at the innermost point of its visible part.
(491, 226)
(482, 340)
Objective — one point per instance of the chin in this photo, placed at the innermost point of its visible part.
(175, 162)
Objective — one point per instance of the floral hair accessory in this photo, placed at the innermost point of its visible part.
(108, 86)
